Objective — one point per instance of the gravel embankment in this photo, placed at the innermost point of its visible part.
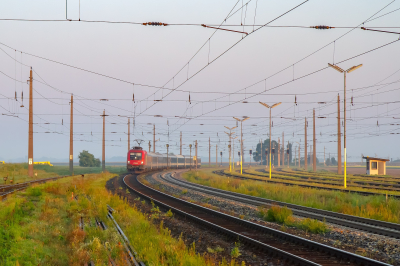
(374, 246)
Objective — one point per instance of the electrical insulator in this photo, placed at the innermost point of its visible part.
(322, 27)
(22, 96)
(377, 124)
(154, 24)
(272, 123)
(62, 122)
(189, 98)
(16, 96)
(307, 123)
(352, 100)
(133, 97)
(295, 99)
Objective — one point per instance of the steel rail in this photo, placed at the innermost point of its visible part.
(313, 249)
(363, 184)
(364, 193)
(364, 224)
(17, 187)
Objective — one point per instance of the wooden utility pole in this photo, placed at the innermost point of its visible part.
(103, 158)
(314, 147)
(129, 133)
(324, 157)
(299, 157)
(305, 144)
(196, 153)
(339, 147)
(288, 154)
(216, 155)
(30, 138)
(71, 138)
(154, 138)
(180, 147)
(283, 147)
(261, 151)
(209, 152)
(279, 151)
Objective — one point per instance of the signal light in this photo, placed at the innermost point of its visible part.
(251, 152)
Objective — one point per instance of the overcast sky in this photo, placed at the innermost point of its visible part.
(226, 74)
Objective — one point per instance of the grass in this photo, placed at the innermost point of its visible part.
(40, 226)
(372, 207)
(284, 215)
(18, 172)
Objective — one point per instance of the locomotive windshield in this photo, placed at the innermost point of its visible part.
(136, 156)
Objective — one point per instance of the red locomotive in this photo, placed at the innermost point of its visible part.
(139, 160)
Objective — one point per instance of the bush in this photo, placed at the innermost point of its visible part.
(313, 226)
(278, 214)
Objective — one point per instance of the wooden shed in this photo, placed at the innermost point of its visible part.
(376, 166)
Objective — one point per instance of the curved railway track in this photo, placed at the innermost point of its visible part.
(364, 224)
(365, 193)
(8, 190)
(291, 248)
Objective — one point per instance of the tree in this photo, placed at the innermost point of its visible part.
(87, 159)
(333, 161)
(328, 161)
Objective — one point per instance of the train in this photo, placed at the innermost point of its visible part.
(139, 161)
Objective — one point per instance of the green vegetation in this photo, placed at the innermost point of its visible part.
(285, 216)
(373, 207)
(40, 226)
(87, 159)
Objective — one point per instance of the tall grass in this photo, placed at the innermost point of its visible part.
(40, 227)
(373, 207)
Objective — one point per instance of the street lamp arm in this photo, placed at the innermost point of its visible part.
(353, 68)
(275, 105)
(266, 105)
(336, 68)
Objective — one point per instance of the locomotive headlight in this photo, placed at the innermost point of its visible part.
(129, 161)
(142, 162)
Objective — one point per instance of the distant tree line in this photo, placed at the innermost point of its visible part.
(87, 159)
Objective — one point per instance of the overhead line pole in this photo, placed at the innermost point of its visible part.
(154, 138)
(129, 133)
(209, 152)
(103, 159)
(314, 147)
(71, 138)
(180, 147)
(305, 144)
(30, 132)
(339, 140)
(283, 144)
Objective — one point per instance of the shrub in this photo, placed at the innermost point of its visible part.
(278, 214)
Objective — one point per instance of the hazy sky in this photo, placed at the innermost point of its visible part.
(220, 70)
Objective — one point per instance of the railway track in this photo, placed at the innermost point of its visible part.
(364, 224)
(334, 181)
(365, 193)
(290, 248)
(8, 190)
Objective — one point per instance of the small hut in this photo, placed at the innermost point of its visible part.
(376, 166)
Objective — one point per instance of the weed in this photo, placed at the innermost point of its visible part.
(184, 191)
(169, 214)
(235, 252)
(278, 214)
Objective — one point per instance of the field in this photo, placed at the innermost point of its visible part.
(40, 226)
(373, 207)
(19, 172)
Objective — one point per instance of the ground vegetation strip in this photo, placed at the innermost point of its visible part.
(372, 207)
(43, 226)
